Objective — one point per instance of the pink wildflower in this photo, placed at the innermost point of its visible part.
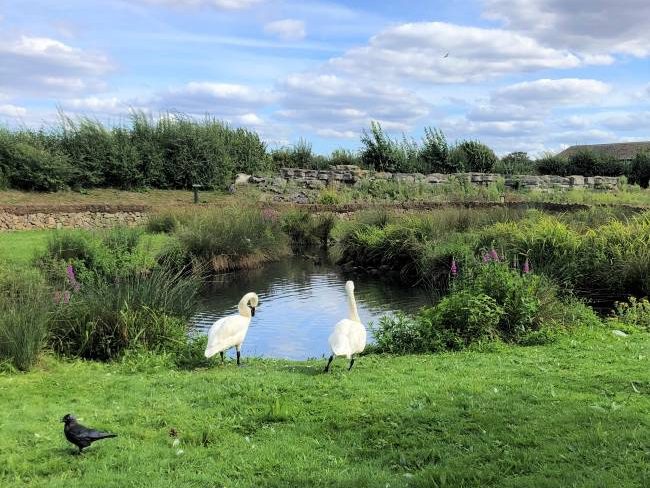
(62, 296)
(526, 266)
(454, 267)
(494, 255)
(486, 258)
(72, 278)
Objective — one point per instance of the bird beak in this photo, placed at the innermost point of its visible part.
(252, 311)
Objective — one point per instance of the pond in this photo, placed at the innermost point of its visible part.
(300, 302)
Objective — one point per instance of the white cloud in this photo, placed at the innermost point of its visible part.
(548, 93)
(447, 53)
(336, 106)
(10, 110)
(218, 4)
(590, 26)
(287, 29)
(221, 99)
(48, 67)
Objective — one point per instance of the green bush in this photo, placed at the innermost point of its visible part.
(550, 164)
(639, 171)
(105, 316)
(473, 156)
(306, 229)
(634, 312)
(434, 153)
(515, 163)
(30, 167)
(25, 304)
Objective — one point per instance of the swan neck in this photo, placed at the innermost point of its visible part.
(352, 307)
(244, 311)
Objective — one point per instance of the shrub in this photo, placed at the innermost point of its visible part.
(25, 303)
(400, 334)
(434, 153)
(550, 164)
(639, 171)
(29, 167)
(329, 196)
(515, 163)
(634, 312)
(341, 157)
(382, 153)
(108, 316)
(473, 156)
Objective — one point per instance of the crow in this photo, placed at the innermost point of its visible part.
(79, 435)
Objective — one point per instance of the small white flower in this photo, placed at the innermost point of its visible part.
(179, 452)
(176, 443)
(247, 439)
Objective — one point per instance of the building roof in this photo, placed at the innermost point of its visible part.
(621, 150)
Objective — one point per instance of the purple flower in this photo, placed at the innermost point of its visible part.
(486, 258)
(62, 296)
(269, 214)
(494, 255)
(526, 266)
(454, 267)
(72, 278)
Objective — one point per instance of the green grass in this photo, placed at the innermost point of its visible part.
(574, 413)
(20, 247)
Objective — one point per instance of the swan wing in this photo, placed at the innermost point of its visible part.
(226, 333)
(348, 338)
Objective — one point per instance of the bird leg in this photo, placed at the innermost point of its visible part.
(327, 368)
(222, 358)
(238, 357)
(351, 363)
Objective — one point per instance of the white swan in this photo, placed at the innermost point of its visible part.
(231, 331)
(349, 336)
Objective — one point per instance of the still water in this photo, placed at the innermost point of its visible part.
(300, 302)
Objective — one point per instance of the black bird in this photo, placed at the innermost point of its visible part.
(79, 435)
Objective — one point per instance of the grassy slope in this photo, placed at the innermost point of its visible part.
(574, 413)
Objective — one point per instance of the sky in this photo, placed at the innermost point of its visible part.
(518, 75)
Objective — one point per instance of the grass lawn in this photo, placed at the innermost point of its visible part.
(572, 414)
(20, 247)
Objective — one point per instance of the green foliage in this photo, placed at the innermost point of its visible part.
(435, 152)
(344, 157)
(640, 169)
(105, 317)
(164, 222)
(329, 196)
(382, 153)
(306, 229)
(227, 239)
(299, 155)
(25, 303)
(473, 156)
(550, 164)
(634, 312)
(172, 151)
(515, 163)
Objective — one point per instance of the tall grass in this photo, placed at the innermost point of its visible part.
(25, 304)
(228, 239)
(105, 317)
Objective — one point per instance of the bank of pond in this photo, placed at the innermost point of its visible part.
(439, 280)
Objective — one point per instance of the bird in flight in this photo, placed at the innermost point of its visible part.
(446, 55)
(81, 436)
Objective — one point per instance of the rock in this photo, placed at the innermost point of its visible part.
(242, 179)
(619, 333)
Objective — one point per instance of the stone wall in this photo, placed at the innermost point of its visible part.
(350, 175)
(95, 217)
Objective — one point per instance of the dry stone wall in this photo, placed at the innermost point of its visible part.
(350, 175)
(75, 217)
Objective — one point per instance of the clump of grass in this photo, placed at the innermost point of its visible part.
(105, 317)
(25, 304)
(306, 229)
(162, 223)
(228, 239)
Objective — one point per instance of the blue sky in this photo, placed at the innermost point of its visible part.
(531, 75)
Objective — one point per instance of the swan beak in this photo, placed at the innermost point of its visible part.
(252, 311)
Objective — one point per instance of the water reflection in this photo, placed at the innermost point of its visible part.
(300, 302)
